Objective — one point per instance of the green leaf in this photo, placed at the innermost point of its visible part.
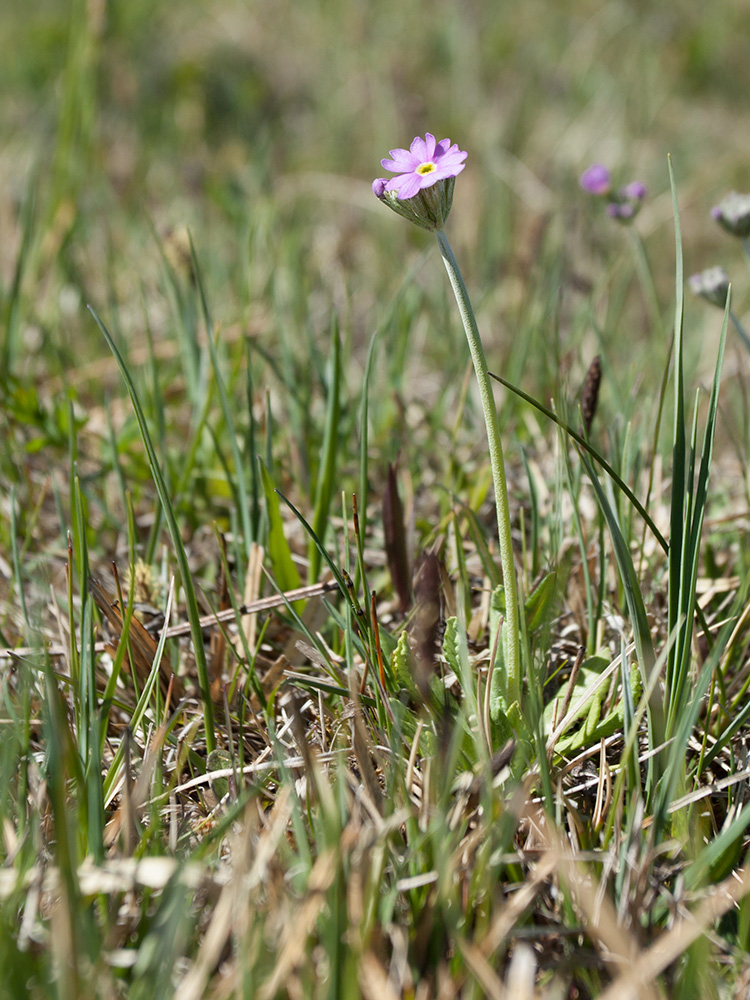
(284, 570)
(541, 602)
(451, 650)
(402, 664)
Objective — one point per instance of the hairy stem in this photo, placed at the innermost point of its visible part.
(511, 646)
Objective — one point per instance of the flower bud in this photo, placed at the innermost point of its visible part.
(733, 214)
(712, 285)
(596, 179)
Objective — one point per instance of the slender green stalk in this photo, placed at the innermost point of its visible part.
(646, 279)
(741, 331)
(511, 647)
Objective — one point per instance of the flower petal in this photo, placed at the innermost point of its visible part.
(429, 143)
(451, 160)
(403, 161)
(427, 180)
(447, 170)
(418, 149)
(405, 185)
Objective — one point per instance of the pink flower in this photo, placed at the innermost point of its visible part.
(425, 163)
(623, 204)
(596, 179)
(423, 190)
(635, 191)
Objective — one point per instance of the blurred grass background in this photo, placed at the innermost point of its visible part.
(260, 126)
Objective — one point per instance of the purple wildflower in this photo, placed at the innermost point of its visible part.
(622, 204)
(621, 210)
(635, 191)
(423, 164)
(627, 202)
(596, 179)
(422, 191)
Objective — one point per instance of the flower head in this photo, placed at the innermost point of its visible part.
(622, 210)
(733, 214)
(596, 179)
(626, 204)
(635, 191)
(425, 163)
(712, 285)
(622, 204)
(422, 191)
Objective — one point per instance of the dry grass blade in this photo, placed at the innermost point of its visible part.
(635, 979)
(206, 621)
(426, 620)
(482, 971)
(140, 643)
(394, 531)
(297, 931)
(618, 946)
(373, 980)
(519, 982)
(114, 876)
(223, 921)
(517, 904)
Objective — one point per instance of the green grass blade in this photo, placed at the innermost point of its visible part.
(11, 346)
(251, 447)
(364, 409)
(186, 326)
(284, 570)
(17, 560)
(139, 711)
(337, 575)
(240, 471)
(687, 517)
(709, 435)
(639, 620)
(588, 447)
(674, 770)
(696, 873)
(179, 549)
(324, 485)
(679, 484)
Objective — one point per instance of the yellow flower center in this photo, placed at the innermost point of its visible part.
(426, 168)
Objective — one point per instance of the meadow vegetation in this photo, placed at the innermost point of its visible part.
(255, 733)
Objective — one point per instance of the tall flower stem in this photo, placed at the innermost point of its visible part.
(511, 647)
